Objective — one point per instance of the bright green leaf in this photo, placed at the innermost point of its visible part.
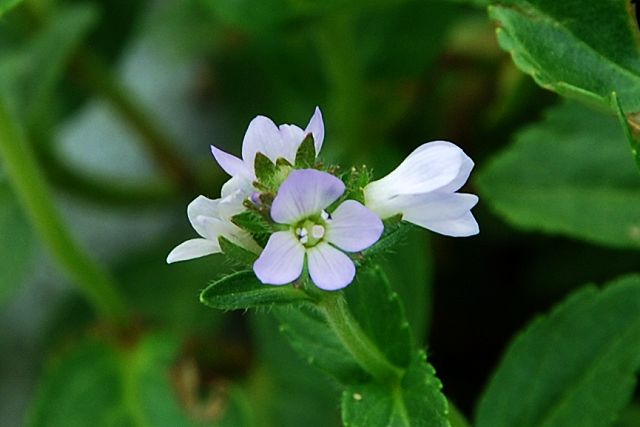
(576, 48)
(573, 367)
(371, 299)
(569, 174)
(243, 290)
(415, 402)
(98, 384)
(310, 335)
(16, 245)
(6, 5)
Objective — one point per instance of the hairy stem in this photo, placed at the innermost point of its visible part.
(20, 165)
(365, 352)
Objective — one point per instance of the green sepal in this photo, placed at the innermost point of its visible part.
(415, 401)
(265, 169)
(394, 232)
(306, 154)
(242, 290)
(356, 179)
(237, 253)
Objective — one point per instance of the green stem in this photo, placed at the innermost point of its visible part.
(355, 341)
(21, 167)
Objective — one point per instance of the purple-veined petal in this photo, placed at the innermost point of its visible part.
(202, 207)
(305, 192)
(434, 166)
(329, 268)
(281, 261)
(444, 213)
(353, 227)
(229, 163)
(262, 136)
(194, 248)
(292, 137)
(316, 127)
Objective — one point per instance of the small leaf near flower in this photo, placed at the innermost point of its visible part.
(265, 169)
(237, 253)
(306, 155)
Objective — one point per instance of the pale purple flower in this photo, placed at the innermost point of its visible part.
(263, 136)
(423, 189)
(211, 219)
(313, 233)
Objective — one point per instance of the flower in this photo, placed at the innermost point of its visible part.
(312, 232)
(263, 136)
(211, 219)
(423, 189)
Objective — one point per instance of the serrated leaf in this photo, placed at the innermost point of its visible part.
(306, 154)
(243, 290)
(265, 169)
(569, 174)
(416, 402)
(380, 314)
(309, 334)
(98, 384)
(576, 48)
(237, 253)
(16, 249)
(574, 367)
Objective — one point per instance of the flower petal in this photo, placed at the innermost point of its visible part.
(262, 136)
(316, 127)
(194, 248)
(202, 207)
(229, 163)
(292, 137)
(281, 261)
(437, 165)
(330, 269)
(444, 213)
(353, 227)
(305, 192)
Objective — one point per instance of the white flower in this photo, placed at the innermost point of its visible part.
(423, 189)
(211, 219)
(263, 136)
(315, 234)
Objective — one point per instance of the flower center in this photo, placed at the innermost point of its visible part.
(311, 231)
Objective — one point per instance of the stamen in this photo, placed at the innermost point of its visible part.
(317, 231)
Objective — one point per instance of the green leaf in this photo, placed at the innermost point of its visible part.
(243, 290)
(394, 232)
(416, 402)
(574, 367)
(237, 253)
(265, 169)
(569, 174)
(631, 127)
(576, 48)
(309, 334)
(98, 384)
(371, 299)
(252, 222)
(18, 242)
(6, 5)
(306, 154)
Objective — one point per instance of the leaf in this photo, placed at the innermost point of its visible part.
(98, 384)
(631, 127)
(265, 169)
(573, 367)
(309, 334)
(394, 232)
(306, 154)
(416, 402)
(6, 5)
(576, 48)
(243, 290)
(380, 314)
(17, 245)
(237, 253)
(569, 174)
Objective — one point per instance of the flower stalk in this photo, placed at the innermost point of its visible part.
(348, 331)
(21, 167)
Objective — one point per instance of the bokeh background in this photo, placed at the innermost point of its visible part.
(121, 99)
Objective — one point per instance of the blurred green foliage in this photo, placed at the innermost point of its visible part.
(120, 101)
